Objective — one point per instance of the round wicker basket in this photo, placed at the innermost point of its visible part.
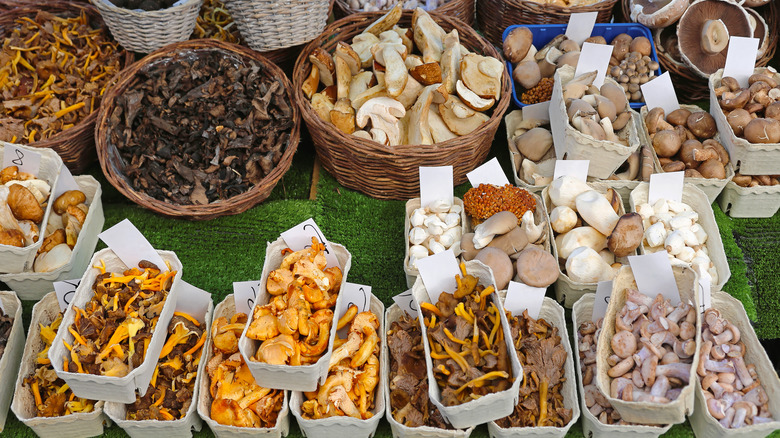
(74, 145)
(493, 16)
(147, 31)
(391, 172)
(460, 9)
(112, 163)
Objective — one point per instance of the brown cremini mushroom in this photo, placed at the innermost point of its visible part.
(666, 143)
(517, 43)
(627, 235)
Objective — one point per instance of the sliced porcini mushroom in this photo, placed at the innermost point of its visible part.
(362, 98)
(702, 125)
(343, 78)
(536, 267)
(325, 65)
(362, 44)
(627, 235)
(534, 143)
(406, 37)
(322, 105)
(517, 43)
(427, 74)
(359, 84)
(384, 113)
(704, 30)
(390, 53)
(311, 83)
(439, 130)
(500, 223)
(585, 265)
(666, 143)
(594, 209)
(472, 99)
(461, 119)
(482, 75)
(527, 74)
(450, 61)
(499, 263)
(761, 130)
(343, 116)
(411, 92)
(657, 14)
(428, 36)
(385, 22)
(419, 131)
(352, 59)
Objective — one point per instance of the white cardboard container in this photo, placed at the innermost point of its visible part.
(643, 412)
(392, 314)
(591, 426)
(694, 197)
(760, 201)
(70, 426)
(605, 156)
(14, 260)
(293, 378)
(116, 389)
(748, 158)
(227, 308)
(181, 428)
(341, 427)
(568, 291)
(553, 313)
(512, 120)
(413, 204)
(702, 422)
(710, 186)
(34, 285)
(488, 407)
(14, 347)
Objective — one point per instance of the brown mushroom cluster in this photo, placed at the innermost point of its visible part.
(113, 330)
(756, 180)
(731, 386)
(398, 86)
(6, 324)
(62, 231)
(652, 349)
(602, 113)
(294, 327)
(753, 112)
(631, 65)
(468, 351)
(538, 345)
(23, 200)
(684, 140)
(236, 399)
(353, 374)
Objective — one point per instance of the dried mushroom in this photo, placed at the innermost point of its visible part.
(62, 231)
(294, 327)
(113, 330)
(236, 399)
(200, 126)
(485, 200)
(23, 200)
(215, 22)
(6, 323)
(173, 383)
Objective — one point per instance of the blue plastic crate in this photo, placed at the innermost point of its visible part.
(544, 33)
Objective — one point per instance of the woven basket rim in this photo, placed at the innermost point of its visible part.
(233, 205)
(106, 6)
(530, 4)
(441, 9)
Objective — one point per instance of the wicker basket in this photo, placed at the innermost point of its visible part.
(111, 162)
(391, 172)
(460, 9)
(269, 24)
(493, 16)
(147, 31)
(75, 145)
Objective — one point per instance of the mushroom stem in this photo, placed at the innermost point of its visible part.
(714, 36)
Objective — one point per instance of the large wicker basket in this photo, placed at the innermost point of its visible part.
(391, 172)
(493, 16)
(147, 31)
(111, 162)
(275, 24)
(75, 145)
(460, 9)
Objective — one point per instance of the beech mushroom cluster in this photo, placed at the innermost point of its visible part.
(603, 114)
(435, 228)
(23, 199)
(652, 349)
(596, 402)
(731, 386)
(673, 227)
(631, 65)
(754, 112)
(755, 181)
(378, 88)
(686, 140)
(589, 233)
(62, 231)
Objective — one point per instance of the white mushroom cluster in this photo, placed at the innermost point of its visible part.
(673, 226)
(435, 228)
(379, 5)
(601, 113)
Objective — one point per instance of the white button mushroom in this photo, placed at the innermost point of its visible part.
(686, 254)
(645, 210)
(678, 207)
(418, 217)
(451, 220)
(680, 221)
(701, 235)
(436, 247)
(689, 237)
(655, 234)
(664, 218)
(661, 206)
(450, 236)
(674, 243)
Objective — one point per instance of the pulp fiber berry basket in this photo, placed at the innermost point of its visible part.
(544, 33)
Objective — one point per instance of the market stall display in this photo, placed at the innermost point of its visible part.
(463, 10)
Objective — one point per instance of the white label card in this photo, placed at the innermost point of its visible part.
(130, 245)
(653, 275)
(537, 111)
(601, 301)
(520, 296)
(488, 173)
(193, 301)
(357, 294)
(25, 159)
(245, 294)
(65, 183)
(405, 300)
(705, 293)
(741, 59)
(594, 57)
(580, 26)
(299, 237)
(660, 93)
(435, 184)
(65, 291)
(574, 168)
(667, 186)
(438, 273)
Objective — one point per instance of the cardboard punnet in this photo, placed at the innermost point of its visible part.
(293, 378)
(591, 426)
(117, 389)
(70, 426)
(674, 411)
(553, 313)
(227, 308)
(340, 427)
(488, 407)
(759, 201)
(12, 355)
(34, 285)
(546, 163)
(706, 425)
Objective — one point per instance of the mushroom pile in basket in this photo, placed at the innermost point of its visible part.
(379, 88)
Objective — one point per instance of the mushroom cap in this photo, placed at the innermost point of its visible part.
(657, 14)
(705, 17)
(534, 143)
(760, 30)
(627, 235)
(536, 267)
(702, 124)
(517, 43)
(499, 263)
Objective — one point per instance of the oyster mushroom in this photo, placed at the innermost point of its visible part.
(536, 267)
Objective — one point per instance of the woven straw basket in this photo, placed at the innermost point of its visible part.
(275, 24)
(391, 172)
(112, 163)
(463, 10)
(147, 31)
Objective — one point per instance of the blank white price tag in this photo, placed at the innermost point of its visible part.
(520, 296)
(580, 26)
(405, 300)
(653, 275)
(193, 301)
(130, 245)
(660, 93)
(537, 111)
(25, 159)
(65, 291)
(705, 293)
(438, 273)
(488, 173)
(65, 183)
(667, 186)
(245, 294)
(594, 57)
(574, 168)
(299, 237)
(741, 59)
(601, 301)
(435, 184)
(357, 294)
